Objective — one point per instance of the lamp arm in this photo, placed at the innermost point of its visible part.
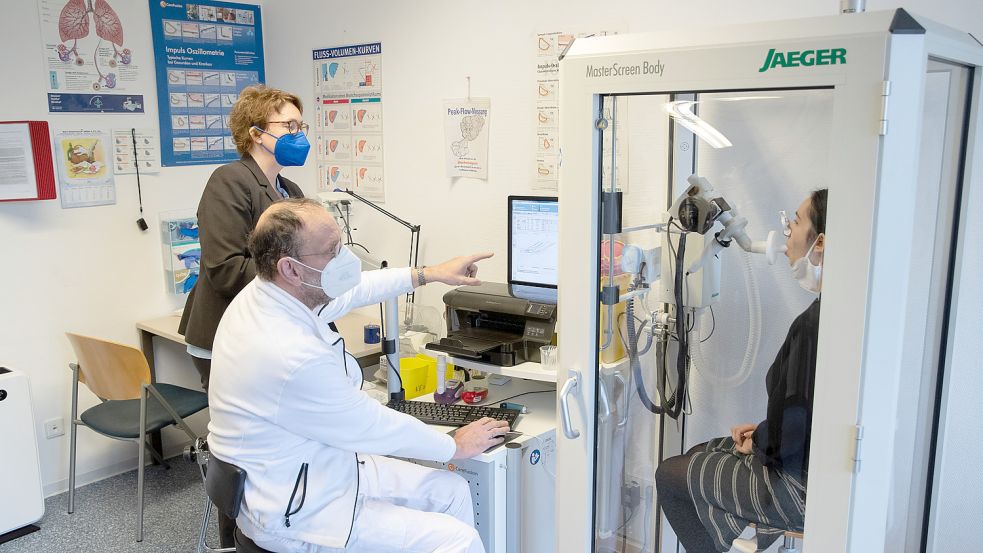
(376, 207)
(414, 234)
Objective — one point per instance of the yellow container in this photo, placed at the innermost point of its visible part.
(419, 375)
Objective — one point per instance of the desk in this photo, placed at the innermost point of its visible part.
(528, 370)
(350, 326)
(513, 486)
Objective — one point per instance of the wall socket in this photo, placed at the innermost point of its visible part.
(54, 427)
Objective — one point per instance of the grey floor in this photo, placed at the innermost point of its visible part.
(105, 515)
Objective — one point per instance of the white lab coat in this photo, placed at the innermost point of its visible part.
(281, 395)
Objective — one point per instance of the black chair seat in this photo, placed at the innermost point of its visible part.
(121, 418)
(246, 545)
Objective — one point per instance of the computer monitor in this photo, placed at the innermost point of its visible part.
(534, 223)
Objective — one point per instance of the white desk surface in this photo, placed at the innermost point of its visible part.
(541, 406)
(350, 326)
(527, 370)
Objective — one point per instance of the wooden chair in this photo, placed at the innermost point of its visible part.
(131, 407)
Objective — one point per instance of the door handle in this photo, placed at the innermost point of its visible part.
(624, 413)
(604, 403)
(568, 387)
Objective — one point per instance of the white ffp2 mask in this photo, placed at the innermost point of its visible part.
(340, 275)
(808, 275)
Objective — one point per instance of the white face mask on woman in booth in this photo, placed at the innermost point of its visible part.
(808, 275)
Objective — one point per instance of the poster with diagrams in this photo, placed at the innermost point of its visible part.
(133, 148)
(85, 169)
(89, 64)
(549, 46)
(206, 53)
(466, 137)
(348, 125)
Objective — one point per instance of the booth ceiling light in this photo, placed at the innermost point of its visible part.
(682, 112)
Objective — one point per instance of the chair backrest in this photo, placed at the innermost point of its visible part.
(224, 484)
(112, 371)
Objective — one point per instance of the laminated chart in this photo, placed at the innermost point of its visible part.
(466, 123)
(85, 168)
(88, 57)
(549, 47)
(348, 119)
(206, 53)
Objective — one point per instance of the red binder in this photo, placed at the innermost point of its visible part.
(42, 187)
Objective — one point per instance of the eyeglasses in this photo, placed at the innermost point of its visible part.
(335, 253)
(293, 127)
(786, 228)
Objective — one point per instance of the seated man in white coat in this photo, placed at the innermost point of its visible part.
(286, 405)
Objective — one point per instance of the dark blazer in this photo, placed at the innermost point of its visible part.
(234, 197)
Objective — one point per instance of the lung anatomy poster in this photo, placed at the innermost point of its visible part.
(87, 51)
(348, 119)
(206, 53)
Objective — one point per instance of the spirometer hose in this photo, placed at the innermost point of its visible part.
(753, 334)
(635, 362)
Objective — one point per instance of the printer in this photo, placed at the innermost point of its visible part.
(488, 324)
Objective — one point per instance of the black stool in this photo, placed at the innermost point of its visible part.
(246, 545)
(224, 484)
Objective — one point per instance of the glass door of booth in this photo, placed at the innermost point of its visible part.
(688, 328)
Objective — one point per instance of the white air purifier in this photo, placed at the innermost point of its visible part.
(20, 471)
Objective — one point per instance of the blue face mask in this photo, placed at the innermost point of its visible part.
(290, 150)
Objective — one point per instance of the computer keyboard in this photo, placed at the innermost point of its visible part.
(452, 415)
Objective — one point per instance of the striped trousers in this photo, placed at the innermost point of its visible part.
(730, 490)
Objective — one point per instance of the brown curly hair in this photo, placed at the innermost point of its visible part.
(253, 108)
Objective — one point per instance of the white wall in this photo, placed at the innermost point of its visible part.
(957, 490)
(90, 270)
(87, 270)
(430, 47)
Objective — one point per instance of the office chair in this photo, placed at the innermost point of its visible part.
(131, 406)
(224, 485)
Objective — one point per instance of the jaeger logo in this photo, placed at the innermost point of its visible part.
(806, 58)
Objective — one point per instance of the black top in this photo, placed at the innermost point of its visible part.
(781, 441)
(234, 197)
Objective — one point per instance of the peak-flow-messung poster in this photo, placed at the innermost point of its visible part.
(466, 124)
(206, 53)
(92, 65)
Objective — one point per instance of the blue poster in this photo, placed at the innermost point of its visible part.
(206, 53)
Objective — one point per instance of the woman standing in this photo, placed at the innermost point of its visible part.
(269, 132)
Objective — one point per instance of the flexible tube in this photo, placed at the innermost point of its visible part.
(753, 335)
(635, 362)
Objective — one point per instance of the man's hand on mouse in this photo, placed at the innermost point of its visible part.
(478, 436)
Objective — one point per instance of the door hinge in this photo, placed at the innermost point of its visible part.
(885, 95)
(857, 443)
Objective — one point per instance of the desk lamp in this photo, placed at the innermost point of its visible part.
(390, 317)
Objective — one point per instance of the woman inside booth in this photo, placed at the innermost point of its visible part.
(758, 474)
